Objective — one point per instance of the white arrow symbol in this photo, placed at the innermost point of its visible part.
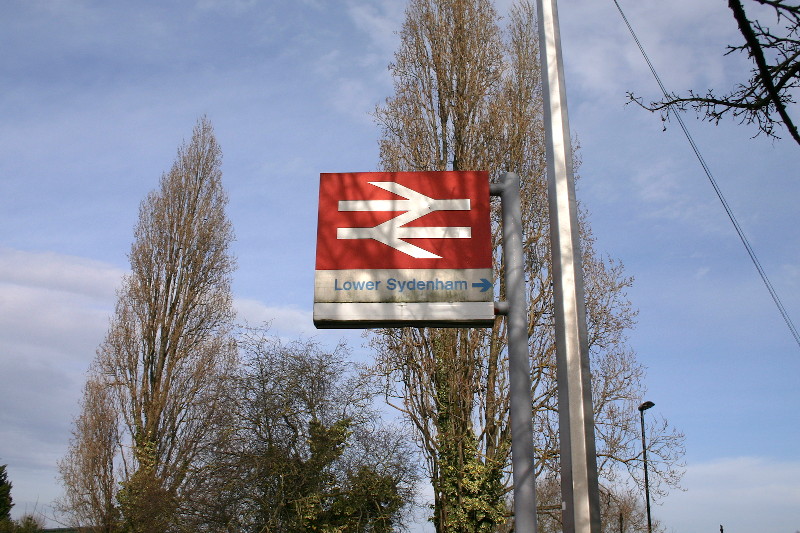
(416, 205)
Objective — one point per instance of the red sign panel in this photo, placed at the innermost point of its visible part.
(377, 220)
(404, 248)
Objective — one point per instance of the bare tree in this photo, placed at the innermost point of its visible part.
(765, 98)
(88, 471)
(622, 510)
(468, 97)
(168, 354)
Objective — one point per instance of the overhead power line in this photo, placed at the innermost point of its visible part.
(717, 190)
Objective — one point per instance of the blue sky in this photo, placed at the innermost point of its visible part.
(95, 98)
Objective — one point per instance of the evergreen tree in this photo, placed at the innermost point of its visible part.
(6, 502)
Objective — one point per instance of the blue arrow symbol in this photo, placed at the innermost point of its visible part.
(484, 285)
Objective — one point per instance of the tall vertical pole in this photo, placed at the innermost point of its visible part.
(579, 485)
(519, 368)
(642, 408)
(646, 481)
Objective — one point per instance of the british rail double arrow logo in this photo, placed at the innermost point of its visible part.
(394, 231)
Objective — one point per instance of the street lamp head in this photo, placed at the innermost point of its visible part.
(646, 405)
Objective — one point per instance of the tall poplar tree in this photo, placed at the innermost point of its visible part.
(467, 96)
(162, 372)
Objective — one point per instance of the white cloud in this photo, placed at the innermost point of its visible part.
(353, 98)
(666, 192)
(53, 308)
(742, 494)
(327, 65)
(791, 275)
(54, 311)
(50, 270)
(286, 320)
(237, 6)
(381, 22)
(290, 323)
(684, 39)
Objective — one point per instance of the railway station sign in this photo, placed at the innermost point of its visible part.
(403, 249)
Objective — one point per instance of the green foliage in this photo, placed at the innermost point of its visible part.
(176, 436)
(364, 501)
(26, 524)
(146, 507)
(6, 502)
(470, 490)
(312, 484)
(314, 494)
(315, 457)
(372, 499)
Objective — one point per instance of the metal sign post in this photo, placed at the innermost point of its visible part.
(519, 368)
(384, 258)
(579, 484)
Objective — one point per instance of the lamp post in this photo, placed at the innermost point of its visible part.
(642, 408)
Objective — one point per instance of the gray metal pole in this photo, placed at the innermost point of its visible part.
(579, 484)
(646, 481)
(642, 408)
(519, 369)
